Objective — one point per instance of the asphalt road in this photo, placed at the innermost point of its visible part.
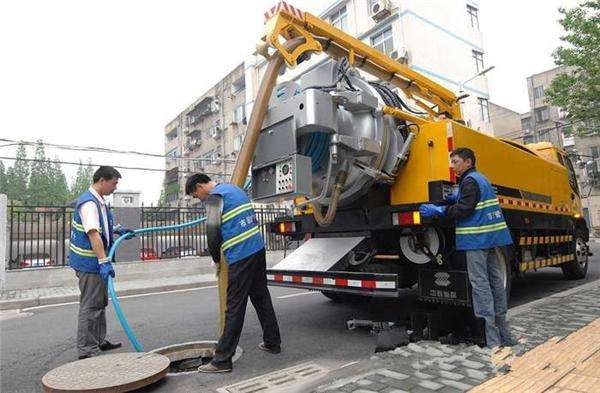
(313, 329)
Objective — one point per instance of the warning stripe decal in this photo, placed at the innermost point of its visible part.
(538, 263)
(540, 206)
(338, 282)
(283, 6)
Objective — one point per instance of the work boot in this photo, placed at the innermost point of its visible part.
(213, 368)
(107, 346)
(274, 350)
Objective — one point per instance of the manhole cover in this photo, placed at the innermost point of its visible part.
(187, 357)
(120, 372)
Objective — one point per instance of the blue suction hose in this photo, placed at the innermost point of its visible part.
(111, 285)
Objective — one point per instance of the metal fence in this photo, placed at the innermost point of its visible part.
(39, 236)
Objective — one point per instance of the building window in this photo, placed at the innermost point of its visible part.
(484, 109)
(172, 153)
(239, 114)
(542, 114)
(478, 57)
(472, 12)
(526, 123)
(172, 134)
(339, 19)
(538, 92)
(237, 142)
(384, 41)
(595, 152)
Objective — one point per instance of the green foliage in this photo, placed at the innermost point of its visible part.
(17, 177)
(578, 90)
(82, 181)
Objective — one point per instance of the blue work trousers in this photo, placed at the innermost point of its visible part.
(489, 295)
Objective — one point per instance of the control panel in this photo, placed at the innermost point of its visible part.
(282, 180)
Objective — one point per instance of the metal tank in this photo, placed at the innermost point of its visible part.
(325, 138)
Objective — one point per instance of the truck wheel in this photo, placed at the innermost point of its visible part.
(577, 268)
(345, 297)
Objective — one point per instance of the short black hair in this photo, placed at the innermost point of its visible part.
(196, 178)
(464, 153)
(106, 173)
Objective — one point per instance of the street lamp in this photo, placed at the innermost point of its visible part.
(461, 85)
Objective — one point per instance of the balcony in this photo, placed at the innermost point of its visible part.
(205, 107)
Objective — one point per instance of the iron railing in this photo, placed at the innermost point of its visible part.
(38, 236)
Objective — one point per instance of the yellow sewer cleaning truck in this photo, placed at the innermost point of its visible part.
(359, 142)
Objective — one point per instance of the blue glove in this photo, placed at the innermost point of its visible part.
(106, 269)
(121, 230)
(430, 210)
(451, 198)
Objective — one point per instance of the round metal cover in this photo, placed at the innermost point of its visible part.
(120, 372)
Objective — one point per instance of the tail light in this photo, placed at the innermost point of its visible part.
(287, 227)
(406, 218)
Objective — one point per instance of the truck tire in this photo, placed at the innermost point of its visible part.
(577, 268)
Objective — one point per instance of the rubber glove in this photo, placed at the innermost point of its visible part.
(430, 210)
(106, 269)
(451, 198)
(121, 230)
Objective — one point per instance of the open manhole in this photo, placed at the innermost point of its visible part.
(187, 357)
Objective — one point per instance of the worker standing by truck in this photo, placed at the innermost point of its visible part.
(480, 232)
(91, 237)
(232, 231)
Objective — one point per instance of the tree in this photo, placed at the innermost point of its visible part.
(39, 191)
(3, 189)
(82, 181)
(17, 177)
(59, 187)
(578, 90)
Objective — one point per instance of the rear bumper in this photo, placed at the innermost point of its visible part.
(366, 284)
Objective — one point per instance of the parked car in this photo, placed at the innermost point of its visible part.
(35, 260)
(148, 254)
(179, 252)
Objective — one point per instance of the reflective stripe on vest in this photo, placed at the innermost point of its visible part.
(77, 226)
(234, 212)
(487, 203)
(240, 238)
(82, 251)
(481, 229)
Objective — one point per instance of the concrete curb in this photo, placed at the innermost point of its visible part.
(48, 300)
(548, 299)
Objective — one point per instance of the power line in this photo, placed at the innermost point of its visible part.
(114, 166)
(13, 142)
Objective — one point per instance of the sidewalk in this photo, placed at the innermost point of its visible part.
(203, 275)
(18, 299)
(429, 366)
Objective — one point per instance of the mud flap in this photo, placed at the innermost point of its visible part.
(444, 286)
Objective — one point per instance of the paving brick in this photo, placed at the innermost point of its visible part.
(364, 391)
(363, 382)
(449, 389)
(476, 374)
(449, 375)
(415, 348)
(431, 385)
(422, 375)
(446, 366)
(393, 374)
(391, 390)
(456, 384)
(417, 365)
(472, 364)
(433, 351)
